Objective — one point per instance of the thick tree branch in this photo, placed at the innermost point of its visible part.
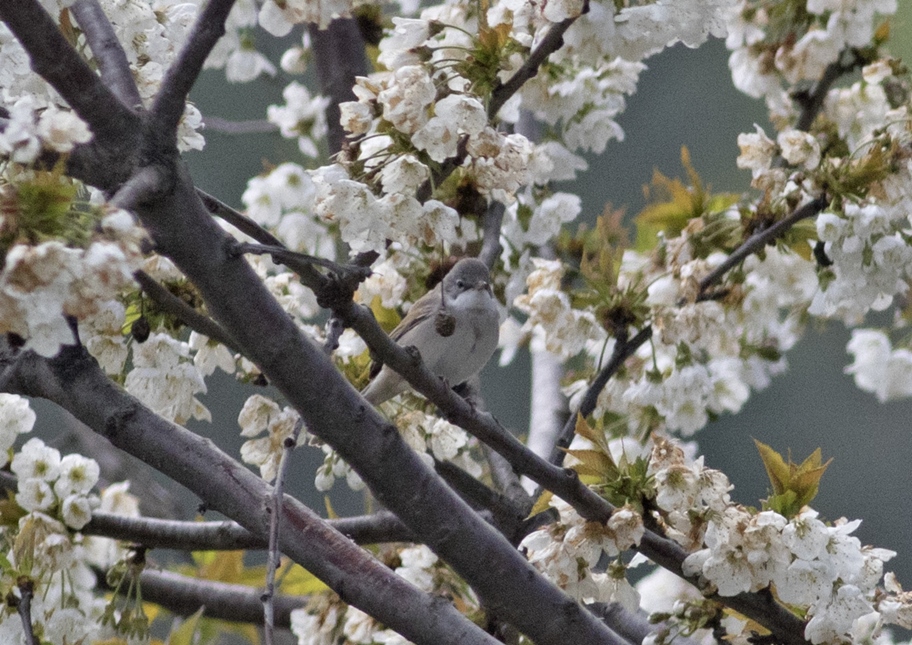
(59, 64)
(230, 536)
(109, 54)
(168, 106)
(184, 595)
(74, 381)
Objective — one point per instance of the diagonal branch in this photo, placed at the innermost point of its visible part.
(156, 533)
(74, 381)
(552, 41)
(171, 304)
(109, 54)
(168, 106)
(274, 509)
(237, 219)
(760, 239)
(623, 349)
(811, 102)
(562, 482)
(23, 606)
(59, 64)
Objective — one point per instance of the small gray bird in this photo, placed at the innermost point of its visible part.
(455, 348)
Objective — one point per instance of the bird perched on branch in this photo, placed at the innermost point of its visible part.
(455, 327)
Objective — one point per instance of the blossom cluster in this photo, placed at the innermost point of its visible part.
(40, 544)
(41, 284)
(813, 565)
(259, 415)
(767, 58)
(568, 552)
(704, 357)
(51, 483)
(165, 379)
(152, 36)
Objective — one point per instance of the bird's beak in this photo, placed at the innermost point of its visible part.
(483, 285)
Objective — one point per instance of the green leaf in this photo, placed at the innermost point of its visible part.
(794, 485)
(184, 633)
(593, 462)
(541, 504)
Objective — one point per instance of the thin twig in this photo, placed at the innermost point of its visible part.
(275, 523)
(108, 52)
(552, 41)
(249, 126)
(24, 609)
(303, 265)
(171, 304)
(309, 276)
(811, 102)
(623, 349)
(168, 106)
(760, 239)
(290, 259)
(237, 219)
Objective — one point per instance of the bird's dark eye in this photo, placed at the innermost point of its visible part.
(460, 284)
